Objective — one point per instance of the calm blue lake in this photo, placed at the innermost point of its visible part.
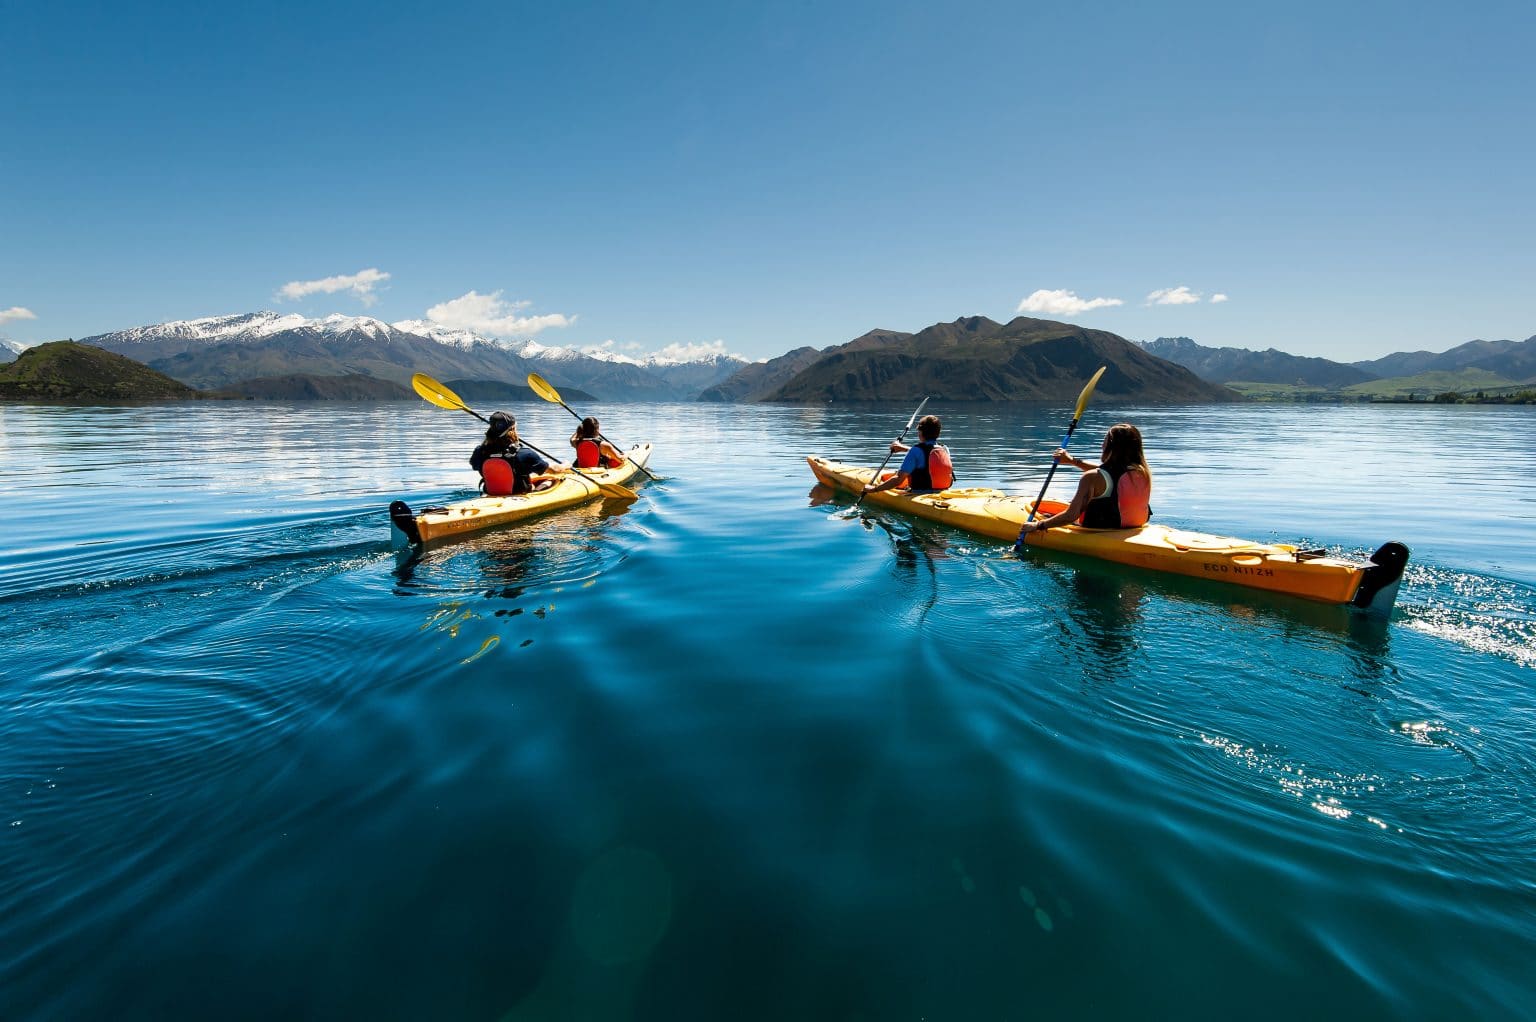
(734, 752)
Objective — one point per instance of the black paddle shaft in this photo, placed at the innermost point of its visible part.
(876, 478)
(606, 440)
(1046, 484)
(1071, 426)
(543, 453)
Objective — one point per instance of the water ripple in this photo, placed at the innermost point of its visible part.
(738, 737)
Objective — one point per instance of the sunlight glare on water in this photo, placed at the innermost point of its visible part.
(738, 750)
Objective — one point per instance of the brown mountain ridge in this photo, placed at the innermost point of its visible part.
(975, 359)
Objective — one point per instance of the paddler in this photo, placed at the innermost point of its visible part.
(1113, 494)
(506, 467)
(927, 468)
(592, 451)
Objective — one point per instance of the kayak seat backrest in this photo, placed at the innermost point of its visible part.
(497, 478)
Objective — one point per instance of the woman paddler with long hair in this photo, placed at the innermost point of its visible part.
(592, 451)
(1113, 494)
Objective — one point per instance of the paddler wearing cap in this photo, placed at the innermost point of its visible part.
(506, 467)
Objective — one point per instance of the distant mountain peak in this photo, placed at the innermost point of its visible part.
(219, 351)
(215, 328)
(453, 336)
(675, 355)
(971, 359)
(337, 323)
(1242, 365)
(558, 353)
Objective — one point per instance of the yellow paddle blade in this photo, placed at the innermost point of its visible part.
(613, 491)
(542, 388)
(1082, 401)
(436, 393)
(617, 491)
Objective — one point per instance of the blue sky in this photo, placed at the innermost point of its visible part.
(1354, 178)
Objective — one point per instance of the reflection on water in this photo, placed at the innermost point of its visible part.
(915, 547)
(710, 754)
(505, 573)
(1107, 609)
(1100, 602)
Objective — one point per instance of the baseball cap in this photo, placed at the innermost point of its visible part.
(500, 422)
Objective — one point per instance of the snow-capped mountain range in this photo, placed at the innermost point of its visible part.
(217, 351)
(10, 349)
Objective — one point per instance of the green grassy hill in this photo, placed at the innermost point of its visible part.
(1425, 386)
(66, 371)
(1283, 392)
(1428, 384)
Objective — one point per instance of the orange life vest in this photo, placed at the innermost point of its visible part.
(1133, 494)
(1124, 505)
(937, 473)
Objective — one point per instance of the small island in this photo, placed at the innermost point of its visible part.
(72, 372)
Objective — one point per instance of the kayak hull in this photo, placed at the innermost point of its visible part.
(1274, 567)
(411, 528)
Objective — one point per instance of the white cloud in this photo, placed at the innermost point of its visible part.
(1063, 303)
(15, 312)
(1180, 295)
(492, 316)
(361, 284)
(1218, 297)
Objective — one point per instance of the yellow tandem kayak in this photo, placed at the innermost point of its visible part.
(1276, 567)
(415, 528)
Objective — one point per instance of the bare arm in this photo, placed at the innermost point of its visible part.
(899, 479)
(1089, 486)
(1063, 458)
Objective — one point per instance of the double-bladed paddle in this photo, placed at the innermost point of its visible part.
(541, 387)
(876, 477)
(437, 394)
(1077, 413)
